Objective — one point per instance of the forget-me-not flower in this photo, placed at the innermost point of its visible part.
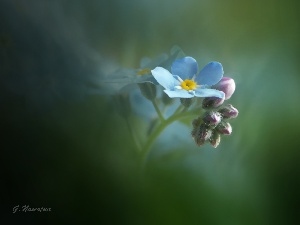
(184, 82)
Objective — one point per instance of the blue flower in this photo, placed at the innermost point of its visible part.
(122, 79)
(184, 82)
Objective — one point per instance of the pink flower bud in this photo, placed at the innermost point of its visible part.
(201, 134)
(212, 102)
(227, 85)
(224, 128)
(212, 118)
(215, 139)
(229, 112)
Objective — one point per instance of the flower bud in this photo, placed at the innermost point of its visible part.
(215, 139)
(227, 85)
(193, 132)
(166, 99)
(212, 118)
(201, 134)
(186, 102)
(197, 122)
(148, 90)
(224, 128)
(229, 112)
(212, 102)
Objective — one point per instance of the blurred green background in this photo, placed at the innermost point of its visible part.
(69, 150)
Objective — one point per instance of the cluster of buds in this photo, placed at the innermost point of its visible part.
(214, 122)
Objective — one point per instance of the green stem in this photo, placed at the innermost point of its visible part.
(157, 110)
(184, 109)
(179, 109)
(158, 131)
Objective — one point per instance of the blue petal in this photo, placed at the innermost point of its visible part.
(211, 74)
(209, 93)
(185, 67)
(179, 94)
(164, 78)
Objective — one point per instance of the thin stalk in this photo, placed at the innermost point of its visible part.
(158, 131)
(157, 110)
(179, 109)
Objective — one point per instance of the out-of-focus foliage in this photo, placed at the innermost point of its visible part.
(66, 147)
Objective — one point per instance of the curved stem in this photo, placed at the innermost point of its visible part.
(157, 110)
(179, 109)
(158, 131)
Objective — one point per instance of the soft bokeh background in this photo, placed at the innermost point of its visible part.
(65, 147)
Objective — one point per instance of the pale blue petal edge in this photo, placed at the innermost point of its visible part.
(211, 74)
(164, 78)
(179, 94)
(185, 67)
(209, 93)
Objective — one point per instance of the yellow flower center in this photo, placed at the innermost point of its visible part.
(188, 85)
(144, 71)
